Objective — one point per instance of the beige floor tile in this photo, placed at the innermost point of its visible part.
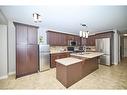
(114, 77)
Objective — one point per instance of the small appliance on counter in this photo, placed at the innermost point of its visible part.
(70, 48)
(44, 57)
(74, 49)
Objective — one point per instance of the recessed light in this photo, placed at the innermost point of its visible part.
(124, 34)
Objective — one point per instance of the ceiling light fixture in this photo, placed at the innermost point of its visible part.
(37, 17)
(84, 33)
(124, 34)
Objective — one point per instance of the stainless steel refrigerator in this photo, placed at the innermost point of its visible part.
(104, 46)
(44, 57)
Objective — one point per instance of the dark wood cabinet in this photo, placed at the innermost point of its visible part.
(53, 38)
(70, 37)
(61, 39)
(55, 56)
(21, 35)
(78, 40)
(32, 58)
(26, 49)
(21, 60)
(32, 35)
(104, 35)
(64, 41)
(90, 41)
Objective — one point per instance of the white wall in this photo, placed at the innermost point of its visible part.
(3, 51)
(3, 19)
(11, 48)
(42, 32)
(125, 46)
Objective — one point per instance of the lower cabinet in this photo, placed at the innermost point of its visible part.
(26, 59)
(70, 74)
(55, 56)
(89, 65)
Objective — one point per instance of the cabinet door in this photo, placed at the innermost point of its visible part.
(49, 38)
(64, 40)
(77, 39)
(70, 37)
(32, 58)
(53, 58)
(90, 41)
(52, 38)
(64, 55)
(21, 34)
(58, 39)
(32, 35)
(21, 60)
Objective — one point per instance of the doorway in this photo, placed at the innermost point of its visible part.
(123, 47)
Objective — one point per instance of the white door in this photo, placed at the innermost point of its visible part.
(3, 51)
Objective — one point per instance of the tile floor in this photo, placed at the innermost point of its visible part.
(114, 77)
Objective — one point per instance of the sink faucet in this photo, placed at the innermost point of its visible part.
(84, 48)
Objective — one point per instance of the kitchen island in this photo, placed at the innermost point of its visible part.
(72, 69)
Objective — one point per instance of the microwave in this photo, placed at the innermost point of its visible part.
(72, 43)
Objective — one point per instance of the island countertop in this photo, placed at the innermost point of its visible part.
(68, 61)
(87, 54)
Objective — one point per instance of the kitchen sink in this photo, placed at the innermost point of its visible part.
(85, 53)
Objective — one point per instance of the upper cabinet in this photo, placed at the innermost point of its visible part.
(21, 35)
(90, 41)
(26, 34)
(70, 37)
(32, 35)
(61, 39)
(104, 35)
(53, 38)
(78, 40)
(64, 41)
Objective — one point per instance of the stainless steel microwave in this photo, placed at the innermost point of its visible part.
(72, 43)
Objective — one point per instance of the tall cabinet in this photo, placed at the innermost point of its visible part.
(26, 49)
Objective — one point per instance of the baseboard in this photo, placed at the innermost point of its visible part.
(11, 73)
(115, 64)
(4, 77)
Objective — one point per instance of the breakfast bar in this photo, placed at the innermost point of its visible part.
(72, 69)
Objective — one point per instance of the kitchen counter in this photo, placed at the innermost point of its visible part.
(87, 54)
(68, 61)
(54, 52)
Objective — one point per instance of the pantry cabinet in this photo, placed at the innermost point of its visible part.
(26, 49)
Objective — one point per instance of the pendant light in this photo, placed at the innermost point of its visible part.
(37, 17)
(84, 33)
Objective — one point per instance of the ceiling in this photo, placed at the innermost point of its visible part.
(69, 18)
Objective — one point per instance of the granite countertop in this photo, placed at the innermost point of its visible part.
(53, 52)
(68, 61)
(87, 54)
